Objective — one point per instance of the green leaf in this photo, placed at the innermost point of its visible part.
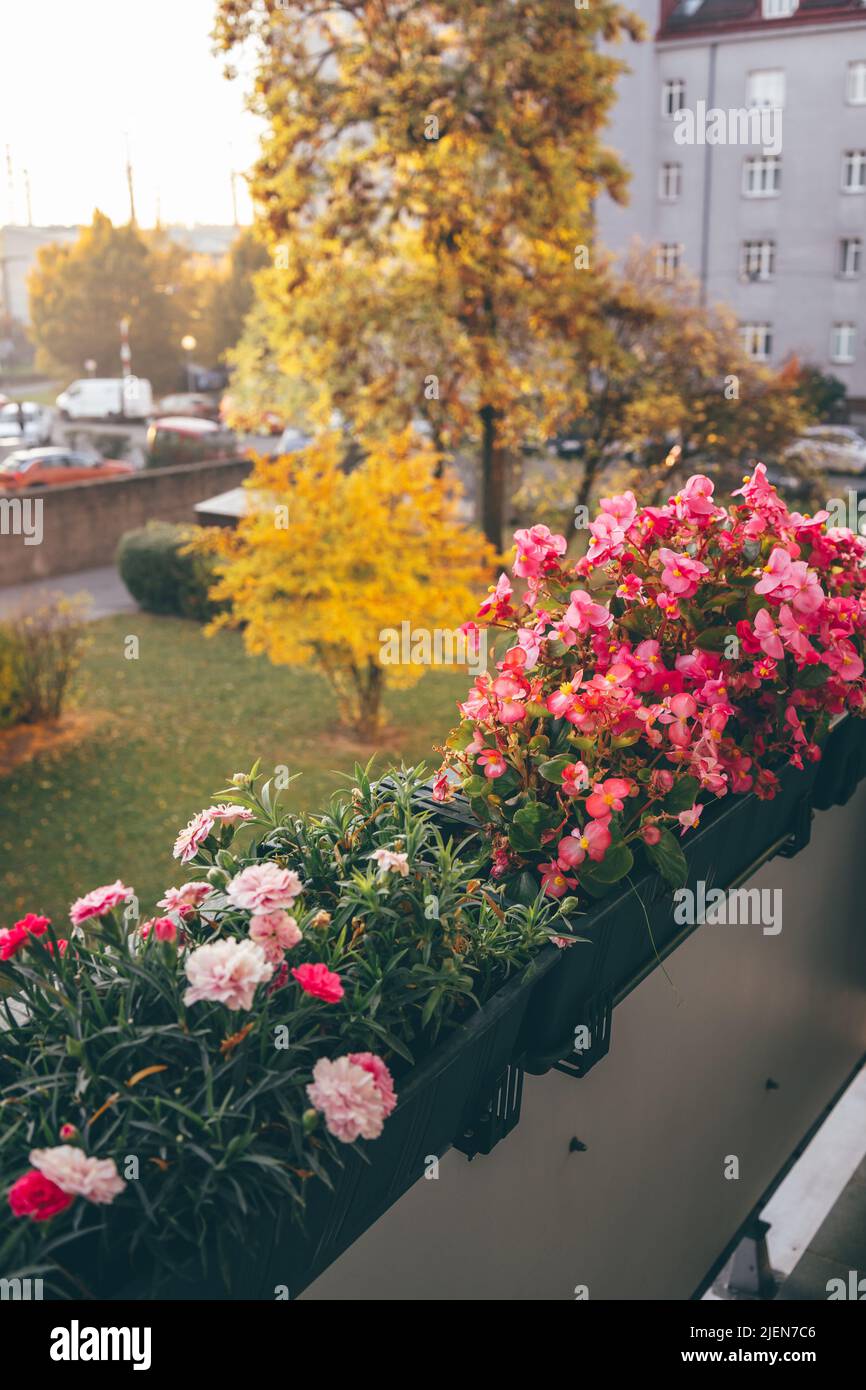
(682, 798)
(668, 858)
(811, 676)
(529, 823)
(615, 865)
(553, 769)
(476, 786)
(713, 639)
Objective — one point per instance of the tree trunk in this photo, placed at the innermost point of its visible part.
(492, 479)
(370, 702)
(590, 469)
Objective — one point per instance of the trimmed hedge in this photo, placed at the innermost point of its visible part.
(161, 577)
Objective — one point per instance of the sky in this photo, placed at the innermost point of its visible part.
(79, 77)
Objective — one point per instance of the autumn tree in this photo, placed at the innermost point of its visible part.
(228, 296)
(659, 370)
(328, 563)
(79, 293)
(426, 187)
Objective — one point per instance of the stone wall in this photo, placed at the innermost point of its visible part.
(81, 523)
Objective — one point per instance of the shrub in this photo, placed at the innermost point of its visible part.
(162, 574)
(40, 651)
(356, 939)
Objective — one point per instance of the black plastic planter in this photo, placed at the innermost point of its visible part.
(843, 765)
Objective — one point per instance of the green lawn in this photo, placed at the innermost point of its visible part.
(169, 729)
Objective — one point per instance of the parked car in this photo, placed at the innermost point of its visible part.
(25, 423)
(107, 398)
(832, 448)
(175, 439)
(42, 467)
(190, 403)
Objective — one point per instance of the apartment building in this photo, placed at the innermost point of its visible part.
(744, 125)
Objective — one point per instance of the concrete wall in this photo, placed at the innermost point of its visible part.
(83, 522)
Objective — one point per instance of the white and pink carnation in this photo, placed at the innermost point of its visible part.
(185, 899)
(193, 835)
(355, 1094)
(391, 861)
(226, 972)
(74, 1172)
(264, 888)
(99, 902)
(276, 933)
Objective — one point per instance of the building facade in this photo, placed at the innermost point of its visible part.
(744, 125)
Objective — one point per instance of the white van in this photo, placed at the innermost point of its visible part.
(107, 398)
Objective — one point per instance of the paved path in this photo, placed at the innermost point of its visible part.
(108, 593)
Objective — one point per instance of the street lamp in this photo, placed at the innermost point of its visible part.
(189, 345)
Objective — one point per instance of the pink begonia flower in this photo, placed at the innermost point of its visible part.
(226, 972)
(276, 933)
(668, 604)
(391, 861)
(561, 632)
(575, 778)
(695, 500)
(79, 1175)
(608, 539)
(681, 574)
(650, 833)
(767, 634)
(793, 635)
(186, 899)
(538, 549)
(622, 507)
(264, 888)
(99, 902)
(690, 818)
(352, 1097)
(493, 763)
(443, 787)
(193, 836)
(583, 613)
(593, 840)
(553, 881)
(320, 982)
(631, 587)
(530, 642)
(499, 600)
(843, 659)
(562, 700)
(607, 797)
(472, 633)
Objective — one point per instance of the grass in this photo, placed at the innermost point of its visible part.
(164, 732)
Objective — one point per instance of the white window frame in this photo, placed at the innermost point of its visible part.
(670, 173)
(778, 9)
(776, 99)
(668, 259)
(855, 83)
(758, 260)
(764, 165)
(757, 340)
(673, 88)
(851, 160)
(839, 354)
(850, 257)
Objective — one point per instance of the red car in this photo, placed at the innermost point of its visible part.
(42, 467)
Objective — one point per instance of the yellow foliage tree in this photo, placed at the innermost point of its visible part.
(327, 562)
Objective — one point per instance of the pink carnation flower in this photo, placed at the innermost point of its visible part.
(227, 972)
(389, 861)
(76, 1173)
(193, 836)
(185, 899)
(276, 933)
(264, 888)
(100, 901)
(355, 1094)
(319, 981)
